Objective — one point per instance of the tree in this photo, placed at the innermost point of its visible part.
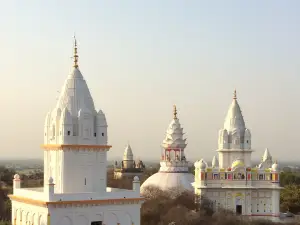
(290, 198)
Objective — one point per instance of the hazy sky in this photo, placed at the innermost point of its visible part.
(141, 57)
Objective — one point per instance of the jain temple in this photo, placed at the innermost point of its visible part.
(75, 188)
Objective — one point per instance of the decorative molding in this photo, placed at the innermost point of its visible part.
(77, 203)
(49, 147)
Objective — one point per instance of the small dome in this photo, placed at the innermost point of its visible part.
(136, 179)
(201, 164)
(128, 155)
(275, 166)
(17, 177)
(50, 180)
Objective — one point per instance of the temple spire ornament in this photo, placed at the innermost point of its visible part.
(234, 94)
(175, 112)
(75, 53)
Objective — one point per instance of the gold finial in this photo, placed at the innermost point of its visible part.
(234, 94)
(175, 112)
(75, 53)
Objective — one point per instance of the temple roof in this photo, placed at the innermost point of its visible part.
(234, 119)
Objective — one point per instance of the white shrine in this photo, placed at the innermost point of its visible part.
(232, 182)
(174, 167)
(129, 167)
(75, 174)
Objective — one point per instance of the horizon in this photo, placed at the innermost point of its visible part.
(141, 58)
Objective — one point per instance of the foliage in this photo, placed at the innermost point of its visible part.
(290, 198)
(287, 178)
(6, 175)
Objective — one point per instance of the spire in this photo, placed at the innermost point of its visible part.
(175, 112)
(174, 135)
(234, 118)
(215, 162)
(234, 94)
(267, 155)
(75, 53)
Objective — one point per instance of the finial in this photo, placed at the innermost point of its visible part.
(234, 94)
(175, 112)
(75, 53)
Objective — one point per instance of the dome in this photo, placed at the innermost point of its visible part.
(234, 119)
(201, 164)
(166, 181)
(128, 155)
(275, 166)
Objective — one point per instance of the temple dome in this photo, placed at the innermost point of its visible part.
(128, 155)
(234, 120)
(167, 181)
(174, 171)
(75, 94)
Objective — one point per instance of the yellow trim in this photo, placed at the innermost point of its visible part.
(238, 194)
(75, 147)
(81, 202)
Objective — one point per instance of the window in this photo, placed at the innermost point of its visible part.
(69, 133)
(84, 181)
(247, 141)
(96, 223)
(102, 134)
(95, 134)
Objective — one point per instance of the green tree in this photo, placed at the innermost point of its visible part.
(290, 198)
(287, 178)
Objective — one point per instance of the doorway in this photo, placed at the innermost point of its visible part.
(238, 209)
(96, 223)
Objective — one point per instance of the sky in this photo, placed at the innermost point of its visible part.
(141, 57)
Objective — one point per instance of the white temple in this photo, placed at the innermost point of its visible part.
(75, 175)
(129, 167)
(173, 172)
(233, 183)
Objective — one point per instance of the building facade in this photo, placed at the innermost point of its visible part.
(174, 167)
(232, 182)
(128, 168)
(75, 174)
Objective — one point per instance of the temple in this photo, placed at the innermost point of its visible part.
(75, 176)
(128, 168)
(174, 167)
(232, 182)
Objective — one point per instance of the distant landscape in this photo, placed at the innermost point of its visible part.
(27, 166)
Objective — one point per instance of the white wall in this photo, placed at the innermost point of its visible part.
(109, 214)
(76, 171)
